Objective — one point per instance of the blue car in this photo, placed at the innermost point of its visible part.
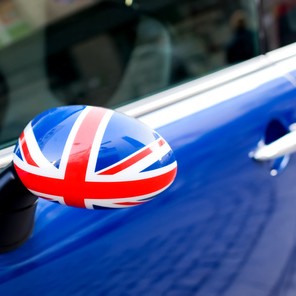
(204, 92)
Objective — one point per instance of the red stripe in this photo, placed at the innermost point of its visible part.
(161, 142)
(75, 192)
(26, 152)
(80, 151)
(128, 203)
(129, 162)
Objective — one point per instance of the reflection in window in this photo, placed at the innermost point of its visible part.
(108, 53)
(279, 22)
(241, 46)
(13, 26)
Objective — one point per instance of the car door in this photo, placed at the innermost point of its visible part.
(225, 227)
(241, 238)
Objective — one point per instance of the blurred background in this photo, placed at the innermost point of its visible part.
(109, 53)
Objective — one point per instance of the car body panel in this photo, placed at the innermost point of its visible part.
(225, 227)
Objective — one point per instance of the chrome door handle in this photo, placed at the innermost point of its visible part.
(279, 148)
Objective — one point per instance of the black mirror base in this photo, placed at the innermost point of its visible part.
(18, 227)
(17, 211)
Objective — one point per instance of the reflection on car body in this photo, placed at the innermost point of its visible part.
(226, 225)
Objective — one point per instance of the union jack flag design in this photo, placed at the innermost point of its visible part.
(93, 157)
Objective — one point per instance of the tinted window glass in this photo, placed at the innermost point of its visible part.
(279, 20)
(57, 52)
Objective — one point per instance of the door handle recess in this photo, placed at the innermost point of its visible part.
(279, 148)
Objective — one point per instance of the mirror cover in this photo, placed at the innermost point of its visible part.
(92, 157)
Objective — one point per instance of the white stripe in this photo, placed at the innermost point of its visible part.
(21, 150)
(138, 176)
(28, 168)
(97, 145)
(35, 152)
(71, 138)
(152, 146)
(111, 203)
(60, 199)
(144, 163)
(36, 170)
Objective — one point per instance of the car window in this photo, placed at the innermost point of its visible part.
(279, 20)
(108, 53)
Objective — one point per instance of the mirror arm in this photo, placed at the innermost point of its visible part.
(17, 211)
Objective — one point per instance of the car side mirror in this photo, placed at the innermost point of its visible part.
(87, 157)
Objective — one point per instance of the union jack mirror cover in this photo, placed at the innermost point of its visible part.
(92, 157)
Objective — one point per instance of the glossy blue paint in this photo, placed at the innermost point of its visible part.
(225, 227)
(57, 122)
